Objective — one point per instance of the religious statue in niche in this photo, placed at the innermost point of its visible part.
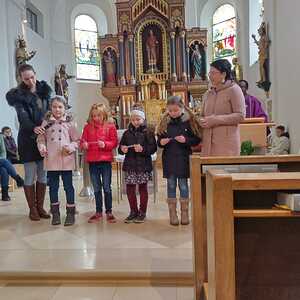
(152, 48)
(197, 61)
(154, 91)
(22, 55)
(61, 81)
(109, 67)
(263, 45)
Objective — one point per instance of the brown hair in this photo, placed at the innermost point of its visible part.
(175, 100)
(62, 100)
(24, 68)
(101, 109)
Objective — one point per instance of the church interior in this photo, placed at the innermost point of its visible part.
(134, 61)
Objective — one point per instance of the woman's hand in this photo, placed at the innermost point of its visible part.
(180, 139)
(208, 122)
(164, 141)
(39, 130)
(124, 149)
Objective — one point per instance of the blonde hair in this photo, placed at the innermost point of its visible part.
(101, 109)
(194, 123)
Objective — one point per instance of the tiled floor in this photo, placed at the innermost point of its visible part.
(94, 293)
(154, 246)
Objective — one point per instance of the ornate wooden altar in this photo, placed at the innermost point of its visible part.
(152, 57)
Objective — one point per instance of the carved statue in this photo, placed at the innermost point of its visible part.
(22, 56)
(263, 53)
(61, 81)
(110, 67)
(152, 45)
(196, 60)
(237, 70)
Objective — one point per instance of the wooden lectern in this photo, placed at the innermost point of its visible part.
(255, 130)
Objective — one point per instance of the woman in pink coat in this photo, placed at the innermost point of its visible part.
(223, 110)
(57, 145)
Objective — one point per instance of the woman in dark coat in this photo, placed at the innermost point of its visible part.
(138, 144)
(31, 101)
(177, 132)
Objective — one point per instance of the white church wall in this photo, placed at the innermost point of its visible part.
(191, 13)
(82, 93)
(13, 12)
(7, 115)
(42, 61)
(285, 64)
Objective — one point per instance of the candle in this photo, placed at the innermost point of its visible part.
(140, 96)
(123, 106)
(128, 103)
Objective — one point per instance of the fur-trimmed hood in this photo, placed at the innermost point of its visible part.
(68, 117)
(186, 116)
(22, 94)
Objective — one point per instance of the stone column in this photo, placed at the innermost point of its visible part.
(183, 56)
(131, 56)
(121, 60)
(173, 56)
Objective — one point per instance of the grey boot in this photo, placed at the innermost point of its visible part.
(184, 207)
(55, 214)
(172, 203)
(70, 218)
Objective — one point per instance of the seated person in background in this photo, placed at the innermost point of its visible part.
(6, 170)
(280, 143)
(254, 107)
(10, 145)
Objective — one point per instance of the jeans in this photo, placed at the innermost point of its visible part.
(6, 170)
(67, 179)
(34, 170)
(100, 173)
(172, 185)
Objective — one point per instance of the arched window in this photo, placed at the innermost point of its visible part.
(224, 32)
(86, 48)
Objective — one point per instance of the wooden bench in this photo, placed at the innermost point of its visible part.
(285, 163)
(254, 252)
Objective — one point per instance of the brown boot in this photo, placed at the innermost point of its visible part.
(30, 197)
(184, 207)
(172, 203)
(40, 197)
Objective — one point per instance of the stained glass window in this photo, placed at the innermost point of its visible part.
(86, 48)
(224, 33)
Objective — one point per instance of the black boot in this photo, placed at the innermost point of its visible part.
(70, 218)
(55, 214)
(5, 196)
(19, 180)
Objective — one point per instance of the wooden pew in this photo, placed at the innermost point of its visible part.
(254, 253)
(286, 163)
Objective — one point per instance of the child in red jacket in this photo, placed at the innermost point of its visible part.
(99, 138)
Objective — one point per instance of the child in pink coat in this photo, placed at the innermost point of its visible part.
(58, 145)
